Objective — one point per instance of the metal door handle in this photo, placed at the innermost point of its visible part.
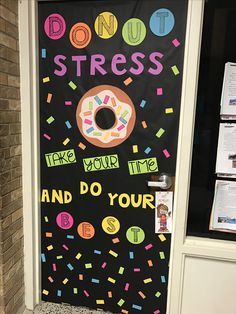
(164, 182)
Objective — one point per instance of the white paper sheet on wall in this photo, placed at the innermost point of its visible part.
(228, 95)
(223, 216)
(226, 151)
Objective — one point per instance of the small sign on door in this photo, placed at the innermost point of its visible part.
(163, 212)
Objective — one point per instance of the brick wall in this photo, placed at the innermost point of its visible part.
(11, 220)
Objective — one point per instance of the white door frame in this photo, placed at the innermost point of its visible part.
(30, 152)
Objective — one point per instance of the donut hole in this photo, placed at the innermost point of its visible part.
(105, 118)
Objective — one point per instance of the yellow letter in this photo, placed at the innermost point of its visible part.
(126, 202)
(99, 189)
(147, 201)
(83, 187)
(57, 196)
(45, 196)
(112, 198)
(67, 197)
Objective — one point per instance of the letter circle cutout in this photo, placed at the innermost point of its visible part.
(105, 116)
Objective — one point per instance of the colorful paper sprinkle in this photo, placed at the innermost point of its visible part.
(128, 81)
(59, 293)
(175, 42)
(43, 53)
(136, 307)
(112, 280)
(142, 295)
(45, 292)
(135, 149)
(94, 280)
(113, 253)
(116, 240)
(97, 252)
(70, 266)
(159, 91)
(46, 79)
(72, 85)
(148, 280)
(163, 279)
(50, 247)
(158, 294)
(126, 286)
(121, 270)
(162, 237)
(144, 124)
(78, 256)
(147, 150)
(162, 255)
(160, 132)
(43, 258)
(86, 293)
(143, 103)
(169, 110)
(148, 247)
(150, 263)
(106, 99)
(166, 153)
(131, 255)
(49, 98)
(68, 103)
(66, 141)
(98, 100)
(68, 125)
(175, 70)
(121, 302)
(47, 136)
(100, 301)
(88, 265)
(50, 120)
(82, 146)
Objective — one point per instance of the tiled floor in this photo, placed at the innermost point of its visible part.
(50, 308)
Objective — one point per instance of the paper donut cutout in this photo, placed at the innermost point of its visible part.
(105, 116)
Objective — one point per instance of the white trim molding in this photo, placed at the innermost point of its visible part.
(184, 155)
(30, 149)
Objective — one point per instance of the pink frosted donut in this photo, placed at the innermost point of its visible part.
(110, 102)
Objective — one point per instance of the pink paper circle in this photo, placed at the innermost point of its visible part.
(55, 26)
(64, 220)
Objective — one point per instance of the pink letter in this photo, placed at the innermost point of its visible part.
(159, 66)
(78, 60)
(134, 58)
(63, 69)
(118, 59)
(96, 62)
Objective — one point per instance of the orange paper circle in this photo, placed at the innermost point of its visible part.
(86, 230)
(80, 35)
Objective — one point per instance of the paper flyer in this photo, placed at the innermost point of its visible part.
(226, 151)
(163, 214)
(223, 216)
(228, 96)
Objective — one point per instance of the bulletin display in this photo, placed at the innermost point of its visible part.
(110, 75)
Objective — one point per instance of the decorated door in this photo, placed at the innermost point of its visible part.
(110, 75)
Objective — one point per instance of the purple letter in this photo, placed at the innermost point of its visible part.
(134, 58)
(159, 66)
(96, 62)
(118, 59)
(63, 69)
(78, 60)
